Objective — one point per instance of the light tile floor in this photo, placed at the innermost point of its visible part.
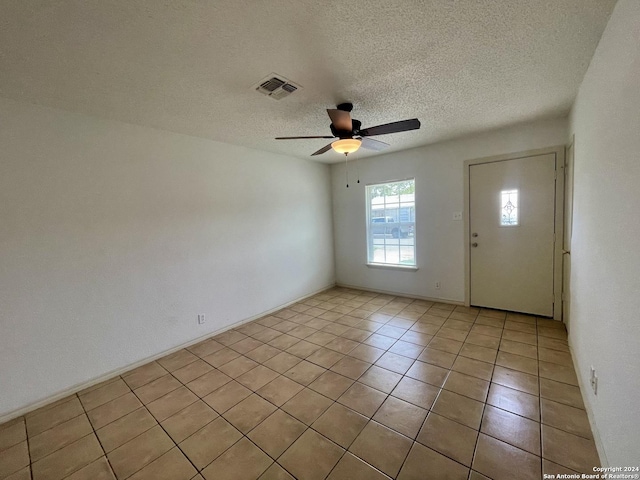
(344, 385)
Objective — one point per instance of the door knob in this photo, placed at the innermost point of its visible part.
(474, 234)
(474, 244)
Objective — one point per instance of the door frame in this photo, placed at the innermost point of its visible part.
(559, 152)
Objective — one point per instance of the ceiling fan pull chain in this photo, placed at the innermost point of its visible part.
(357, 172)
(346, 168)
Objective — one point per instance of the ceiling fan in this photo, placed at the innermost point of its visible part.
(351, 137)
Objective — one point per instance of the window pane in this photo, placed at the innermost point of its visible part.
(509, 207)
(391, 223)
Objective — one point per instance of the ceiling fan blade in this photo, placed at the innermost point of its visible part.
(326, 148)
(371, 144)
(297, 138)
(340, 119)
(393, 127)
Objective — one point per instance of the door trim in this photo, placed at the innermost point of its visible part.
(559, 152)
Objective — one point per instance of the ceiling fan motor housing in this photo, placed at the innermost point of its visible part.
(347, 133)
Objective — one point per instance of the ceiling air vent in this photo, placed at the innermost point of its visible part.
(276, 86)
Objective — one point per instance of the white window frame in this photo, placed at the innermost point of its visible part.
(411, 221)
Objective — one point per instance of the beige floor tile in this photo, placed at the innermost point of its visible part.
(561, 392)
(342, 345)
(340, 424)
(303, 349)
(499, 460)
(321, 338)
(492, 322)
(277, 433)
(488, 312)
(59, 436)
(48, 418)
(280, 390)
(245, 345)
(558, 333)
(356, 335)
(284, 341)
(13, 459)
(249, 413)
(445, 344)
(477, 352)
(425, 464)
(529, 338)
(325, 358)
(331, 384)
(424, 328)
(394, 362)
(192, 371)
(516, 380)
(173, 465)
(466, 385)
(362, 399)
(366, 353)
(177, 360)
(517, 362)
(474, 368)
(335, 329)
(262, 353)
(567, 418)
(276, 472)
(207, 383)
(204, 446)
(307, 406)
(96, 470)
(351, 467)
(350, 367)
(520, 327)
(143, 375)
(227, 396)
(157, 388)
(189, 420)
(257, 378)
(282, 362)
(221, 357)
(417, 338)
(113, 410)
(171, 403)
(205, 348)
(407, 349)
(437, 357)
(380, 379)
(487, 330)
(452, 333)
(555, 356)
(401, 416)
(550, 468)
(514, 401)
(67, 460)
(126, 428)
(518, 348)
(379, 341)
(459, 408)
(449, 438)
(139, 452)
(483, 340)
(243, 461)
(553, 343)
(518, 431)
(428, 373)
(22, 474)
(416, 392)
(381, 447)
(559, 373)
(229, 337)
(12, 433)
(311, 457)
(238, 366)
(460, 321)
(304, 372)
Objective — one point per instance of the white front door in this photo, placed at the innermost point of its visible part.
(511, 227)
(568, 230)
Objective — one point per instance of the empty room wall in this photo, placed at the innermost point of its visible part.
(114, 237)
(605, 253)
(438, 170)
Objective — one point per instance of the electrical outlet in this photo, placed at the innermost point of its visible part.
(201, 319)
(437, 285)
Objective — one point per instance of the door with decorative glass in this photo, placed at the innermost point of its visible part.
(511, 228)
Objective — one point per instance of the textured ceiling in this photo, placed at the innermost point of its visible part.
(460, 66)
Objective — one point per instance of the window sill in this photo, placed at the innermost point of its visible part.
(392, 267)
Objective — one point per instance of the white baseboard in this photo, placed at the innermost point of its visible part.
(587, 406)
(114, 373)
(400, 294)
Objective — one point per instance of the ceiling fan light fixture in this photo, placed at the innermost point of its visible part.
(346, 145)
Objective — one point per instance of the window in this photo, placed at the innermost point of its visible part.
(509, 208)
(391, 217)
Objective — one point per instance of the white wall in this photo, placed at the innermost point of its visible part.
(605, 249)
(114, 237)
(438, 170)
